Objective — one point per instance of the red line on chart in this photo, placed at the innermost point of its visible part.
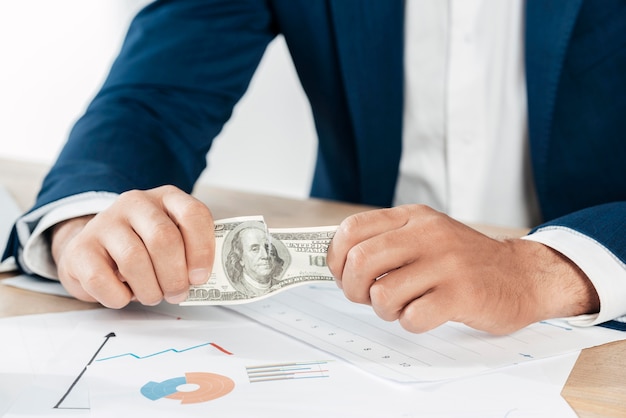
(223, 350)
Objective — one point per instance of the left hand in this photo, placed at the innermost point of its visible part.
(423, 268)
(149, 245)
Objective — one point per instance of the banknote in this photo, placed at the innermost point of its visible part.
(253, 261)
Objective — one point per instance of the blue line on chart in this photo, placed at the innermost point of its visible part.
(169, 350)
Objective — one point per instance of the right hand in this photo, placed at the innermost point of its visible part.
(423, 268)
(148, 246)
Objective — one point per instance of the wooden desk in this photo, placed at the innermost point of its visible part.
(596, 387)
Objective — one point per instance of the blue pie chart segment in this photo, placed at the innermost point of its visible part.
(158, 390)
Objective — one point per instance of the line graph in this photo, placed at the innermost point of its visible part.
(168, 350)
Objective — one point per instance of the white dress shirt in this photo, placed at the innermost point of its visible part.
(464, 140)
(465, 122)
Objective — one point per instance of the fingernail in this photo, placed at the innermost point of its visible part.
(181, 297)
(198, 276)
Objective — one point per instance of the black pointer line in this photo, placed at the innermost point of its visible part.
(106, 338)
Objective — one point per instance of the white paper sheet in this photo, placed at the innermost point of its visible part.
(151, 348)
(320, 315)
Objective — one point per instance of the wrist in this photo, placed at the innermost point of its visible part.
(561, 288)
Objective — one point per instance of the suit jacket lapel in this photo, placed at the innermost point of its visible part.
(549, 25)
(370, 46)
(370, 41)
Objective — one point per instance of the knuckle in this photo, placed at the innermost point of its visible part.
(162, 234)
(168, 189)
(352, 224)
(190, 213)
(424, 214)
(178, 286)
(418, 208)
(131, 196)
(382, 301)
(130, 254)
(175, 286)
(406, 212)
(194, 208)
(92, 280)
(356, 257)
(379, 296)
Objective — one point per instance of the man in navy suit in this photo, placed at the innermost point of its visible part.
(141, 145)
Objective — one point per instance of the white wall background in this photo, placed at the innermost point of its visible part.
(54, 56)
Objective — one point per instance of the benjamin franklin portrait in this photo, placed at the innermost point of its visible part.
(253, 263)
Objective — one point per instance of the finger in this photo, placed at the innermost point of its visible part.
(369, 260)
(391, 293)
(396, 291)
(159, 251)
(131, 259)
(438, 289)
(90, 275)
(398, 245)
(73, 286)
(358, 228)
(425, 313)
(195, 223)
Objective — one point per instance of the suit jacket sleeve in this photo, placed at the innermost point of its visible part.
(182, 67)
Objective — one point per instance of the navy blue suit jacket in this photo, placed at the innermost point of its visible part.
(185, 64)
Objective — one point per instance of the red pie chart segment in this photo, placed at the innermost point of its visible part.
(210, 386)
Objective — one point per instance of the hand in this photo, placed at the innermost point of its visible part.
(422, 268)
(147, 246)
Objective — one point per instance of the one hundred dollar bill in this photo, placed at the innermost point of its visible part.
(253, 262)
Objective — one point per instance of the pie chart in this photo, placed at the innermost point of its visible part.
(207, 387)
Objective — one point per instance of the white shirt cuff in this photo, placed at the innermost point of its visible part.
(606, 272)
(36, 256)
